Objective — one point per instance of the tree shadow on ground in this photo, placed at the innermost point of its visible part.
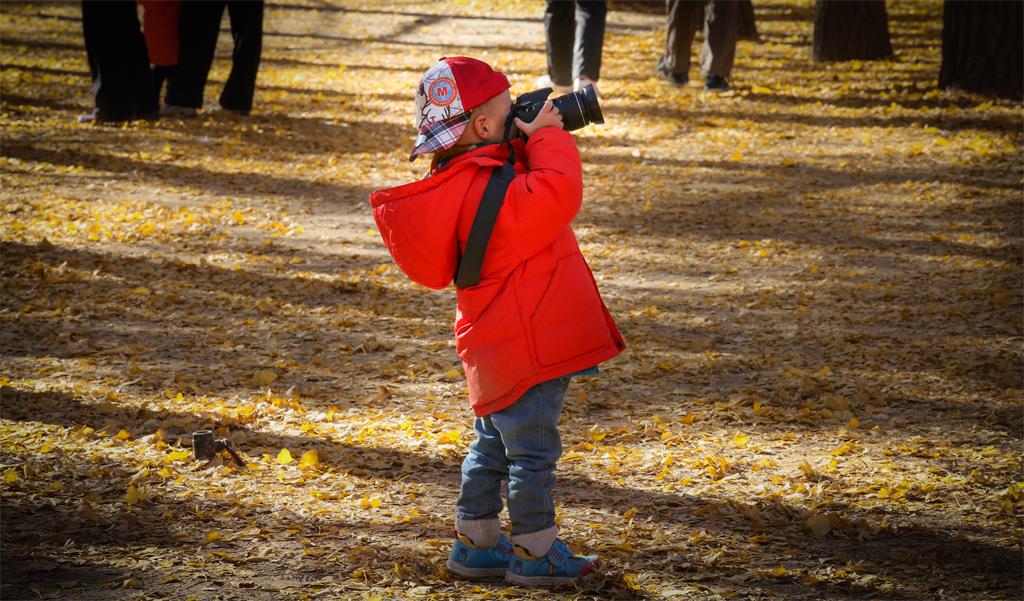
(941, 121)
(233, 311)
(220, 182)
(853, 540)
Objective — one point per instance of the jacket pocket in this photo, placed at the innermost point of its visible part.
(569, 320)
(493, 347)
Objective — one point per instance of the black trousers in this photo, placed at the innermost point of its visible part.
(570, 54)
(720, 20)
(198, 31)
(118, 62)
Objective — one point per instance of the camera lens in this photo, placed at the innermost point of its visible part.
(579, 109)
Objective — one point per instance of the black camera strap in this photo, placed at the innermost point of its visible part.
(483, 223)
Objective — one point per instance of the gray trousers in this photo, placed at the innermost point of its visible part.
(718, 18)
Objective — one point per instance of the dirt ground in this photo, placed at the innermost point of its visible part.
(819, 276)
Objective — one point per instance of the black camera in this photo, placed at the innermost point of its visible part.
(577, 109)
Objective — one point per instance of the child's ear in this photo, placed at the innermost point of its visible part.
(480, 126)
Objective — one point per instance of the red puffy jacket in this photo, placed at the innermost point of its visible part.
(536, 313)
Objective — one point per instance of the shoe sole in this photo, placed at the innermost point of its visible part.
(474, 573)
(538, 580)
(514, 578)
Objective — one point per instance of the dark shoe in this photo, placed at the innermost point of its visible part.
(676, 79)
(716, 83)
(173, 110)
(237, 112)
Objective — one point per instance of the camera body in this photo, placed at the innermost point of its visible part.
(578, 109)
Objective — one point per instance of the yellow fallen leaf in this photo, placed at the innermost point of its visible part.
(284, 457)
(687, 419)
(740, 440)
(452, 374)
(123, 435)
(212, 536)
(819, 524)
(630, 513)
(175, 456)
(843, 449)
(596, 434)
(736, 156)
(10, 476)
(132, 496)
(309, 459)
(449, 437)
(779, 572)
(760, 90)
(823, 372)
(264, 377)
(369, 502)
(853, 424)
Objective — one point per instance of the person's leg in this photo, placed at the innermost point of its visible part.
(479, 500)
(198, 30)
(682, 26)
(118, 62)
(529, 431)
(720, 33)
(589, 39)
(160, 74)
(246, 19)
(479, 550)
(558, 28)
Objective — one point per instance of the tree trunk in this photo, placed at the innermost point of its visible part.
(981, 47)
(851, 29)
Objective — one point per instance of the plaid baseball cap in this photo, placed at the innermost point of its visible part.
(447, 93)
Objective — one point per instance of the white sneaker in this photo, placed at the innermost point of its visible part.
(544, 81)
(584, 81)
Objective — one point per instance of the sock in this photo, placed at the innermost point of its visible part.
(537, 543)
(483, 533)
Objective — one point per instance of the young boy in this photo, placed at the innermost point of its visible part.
(534, 319)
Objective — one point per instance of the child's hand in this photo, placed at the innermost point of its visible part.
(547, 117)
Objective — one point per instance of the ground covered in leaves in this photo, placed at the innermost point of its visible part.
(819, 276)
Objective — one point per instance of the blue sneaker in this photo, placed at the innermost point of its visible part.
(476, 563)
(559, 566)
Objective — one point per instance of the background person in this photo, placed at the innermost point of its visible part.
(574, 32)
(720, 21)
(199, 28)
(122, 84)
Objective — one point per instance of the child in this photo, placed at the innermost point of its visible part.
(534, 319)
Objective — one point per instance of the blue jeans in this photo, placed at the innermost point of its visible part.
(521, 444)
